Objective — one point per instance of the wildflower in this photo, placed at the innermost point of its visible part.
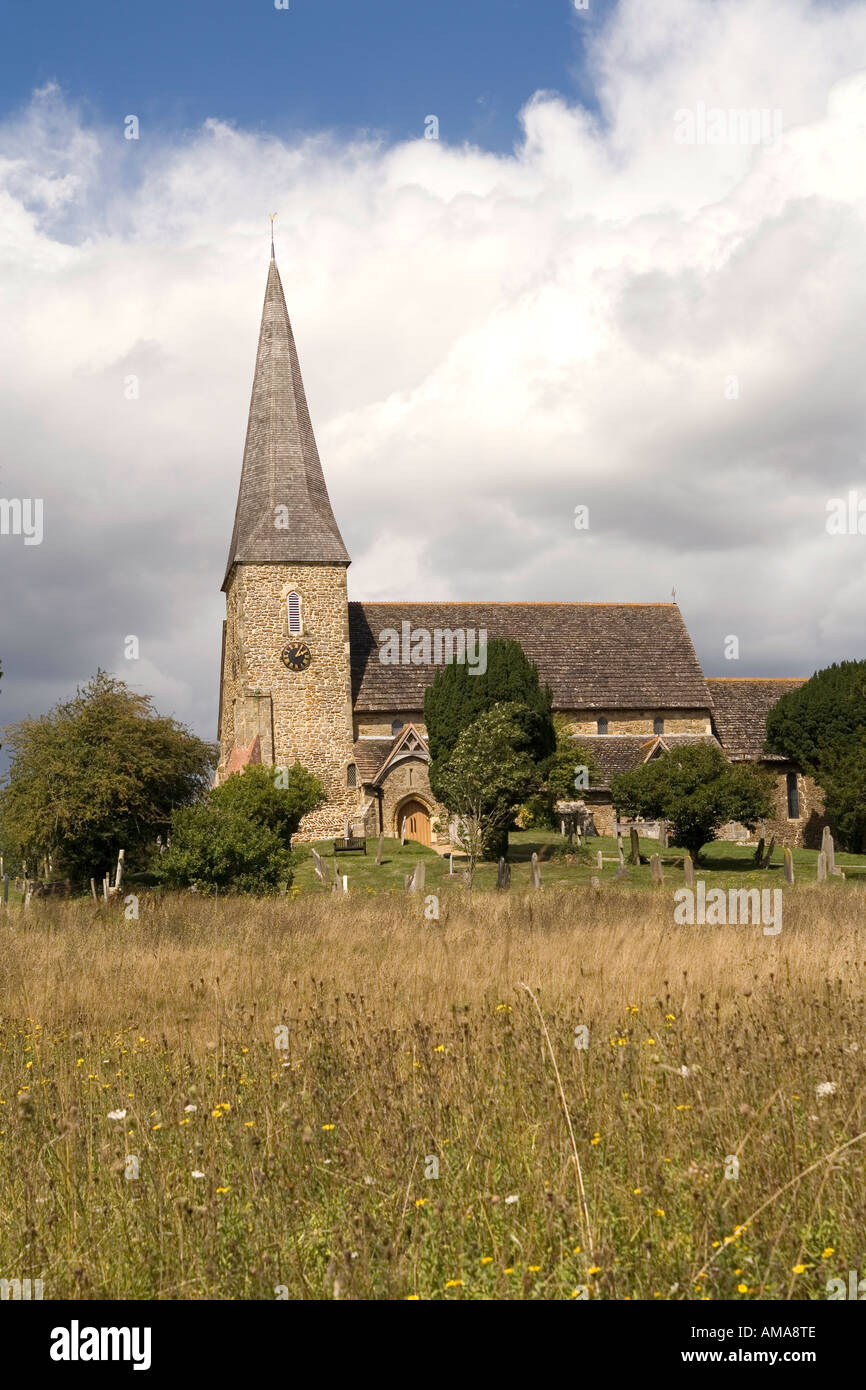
(223, 1189)
(671, 1018)
(650, 1042)
(420, 1201)
(825, 1254)
(631, 1008)
(248, 1124)
(684, 1107)
(216, 1114)
(440, 1048)
(328, 1126)
(533, 1269)
(509, 1201)
(157, 1126)
(596, 1138)
(576, 1250)
(509, 1270)
(196, 1174)
(800, 1269)
(594, 1269)
(742, 1288)
(636, 1191)
(503, 1008)
(716, 1244)
(413, 1298)
(660, 1211)
(825, 1088)
(487, 1259)
(117, 1114)
(453, 1283)
(189, 1109)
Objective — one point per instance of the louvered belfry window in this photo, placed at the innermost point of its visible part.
(295, 624)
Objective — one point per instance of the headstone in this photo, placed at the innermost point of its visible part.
(789, 866)
(656, 870)
(503, 877)
(622, 874)
(619, 844)
(534, 872)
(688, 870)
(594, 883)
(599, 860)
(759, 853)
(663, 836)
(318, 865)
(769, 855)
(829, 849)
(345, 883)
(5, 890)
(822, 866)
(93, 890)
(118, 873)
(416, 880)
(379, 847)
(620, 854)
(451, 866)
(634, 856)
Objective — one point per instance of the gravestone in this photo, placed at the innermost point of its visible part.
(634, 856)
(688, 870)
(534, 872)
(822, 866)
(769, 855)
(759, 853)
(416, 879)
(656, 870)
(829, 849)
(789, 866)
(318, 865)
(620, 854)
(503, 877)
(594, 883)
(599, 860)
(379, 847)
(622, 874)
(663, 836)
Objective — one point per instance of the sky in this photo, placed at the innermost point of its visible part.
(598, 288)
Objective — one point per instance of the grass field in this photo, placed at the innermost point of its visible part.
(148, 1047)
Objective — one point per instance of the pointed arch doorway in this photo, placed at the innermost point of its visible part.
(413, 822)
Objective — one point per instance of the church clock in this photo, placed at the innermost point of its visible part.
(296, 656)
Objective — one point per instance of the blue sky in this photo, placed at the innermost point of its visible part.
(339, 65)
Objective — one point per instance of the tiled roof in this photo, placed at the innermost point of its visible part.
(281, 462)
(740, 709)
(616, 753)
(593, 655)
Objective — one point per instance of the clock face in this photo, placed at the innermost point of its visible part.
(296, 656)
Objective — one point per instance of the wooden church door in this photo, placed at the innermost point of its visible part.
(415, 823)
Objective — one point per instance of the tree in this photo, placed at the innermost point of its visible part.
(238, 837)
(821, 717)
(484, 780)
(697, 790)
(842, 774)
(97, 774)
(566, 775)
(457, 698)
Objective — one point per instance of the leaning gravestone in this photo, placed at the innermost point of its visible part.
(789, 866)
(759, 853)
(822, 867)
(503, 877)
(769, 855)
(318, 865)
(534, 872)
(634, 856)
(688, 870)
(656, 870)
(416, 882)
(379, 847)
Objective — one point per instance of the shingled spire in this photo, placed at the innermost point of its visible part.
(284, 513)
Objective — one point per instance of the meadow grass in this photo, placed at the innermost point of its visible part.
(409, 1042)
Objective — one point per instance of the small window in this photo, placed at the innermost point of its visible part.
(294, 606)
(658, 725)
(396, 726)
(601, 725)
(793, 797)
(352, 775)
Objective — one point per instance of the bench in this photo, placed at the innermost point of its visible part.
(346, 846)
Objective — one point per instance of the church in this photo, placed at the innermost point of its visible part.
(304, 673)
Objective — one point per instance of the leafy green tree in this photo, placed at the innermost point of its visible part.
(697, 791)
(486, 777)
(560, 773)
(457, 698)
(238, 837)
(97, 774)
(821, 717)
(842, 774)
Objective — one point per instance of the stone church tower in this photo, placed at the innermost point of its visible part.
(285, 688)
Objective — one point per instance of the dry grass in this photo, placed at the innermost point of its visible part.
(410, 1041)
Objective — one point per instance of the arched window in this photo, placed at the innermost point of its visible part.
(601, 725)
(793, 797)
(352, 775)
(293, 604)
(658, 725)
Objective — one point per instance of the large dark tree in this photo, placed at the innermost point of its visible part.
(697, 791)
(457, 697)
(98, 773)
(823, 716)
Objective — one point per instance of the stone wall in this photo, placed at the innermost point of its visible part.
(802, 833)
(623, 721)
(310, 711)
(378, 725)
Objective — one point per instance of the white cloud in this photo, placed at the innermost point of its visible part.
(486, 341)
